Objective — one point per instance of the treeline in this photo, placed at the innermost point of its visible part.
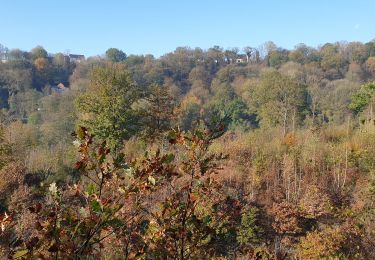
(25, 77)
(264, 153)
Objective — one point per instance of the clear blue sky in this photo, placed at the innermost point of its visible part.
(158, 26)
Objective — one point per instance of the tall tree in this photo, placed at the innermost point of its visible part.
(115, 55)
(107, 104)
(38, 52)
(364, 98)
(158, 111)
(279, 100)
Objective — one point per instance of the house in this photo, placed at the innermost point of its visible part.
(60, 88)
(76, 58)
(242, 58)
(4, 57)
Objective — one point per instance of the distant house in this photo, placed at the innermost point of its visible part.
(76, 57)
(242, 58)
(4, 57)
(60, 88)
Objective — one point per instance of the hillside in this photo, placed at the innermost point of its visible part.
(252, 153)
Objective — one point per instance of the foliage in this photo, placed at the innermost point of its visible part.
(115, 55)
(363, 97)
(279, 100)
(76, 220)
(157, 112)
(292, 175)
(286, 218)
(315, 203)
(228, 105)
(249, 231)
(108, 105)
(339, 242)
(38, 52)
(5, 150)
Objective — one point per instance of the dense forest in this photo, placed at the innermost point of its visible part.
(252, 153)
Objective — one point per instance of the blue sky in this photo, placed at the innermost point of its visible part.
(140, 27)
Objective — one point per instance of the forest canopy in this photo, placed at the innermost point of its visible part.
(252, 153)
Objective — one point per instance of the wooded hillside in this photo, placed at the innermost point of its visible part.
(258, 153)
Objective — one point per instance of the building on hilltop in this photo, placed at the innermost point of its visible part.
(76, 57)
(242, 58)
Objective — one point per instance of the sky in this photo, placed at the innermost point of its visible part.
(156, 27)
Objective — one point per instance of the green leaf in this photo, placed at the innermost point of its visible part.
(91, 189)
(199, 134)
(172, 134)
(169, 158)
(206, 220)
(115, 222)
(96, 207)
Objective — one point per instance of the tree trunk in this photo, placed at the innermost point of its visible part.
(284, 123)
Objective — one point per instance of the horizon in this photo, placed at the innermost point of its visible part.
(101, 55)
(158, 28)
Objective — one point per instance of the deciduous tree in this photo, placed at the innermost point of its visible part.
(108, 105)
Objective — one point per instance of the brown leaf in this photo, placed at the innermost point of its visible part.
(78, 165)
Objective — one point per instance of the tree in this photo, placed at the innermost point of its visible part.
(332, 61)
(41, 64)
(190, 220)
(279, 100)
(335, 100)
(226, 104)
(286, 218)
(4, 52)
(249, 230)
(251, 54)
(303, 54)
(357, 52)
(370, 47)
(5, 150)
(59, 60)
(61, 69)
(190, 113)
(16, 54)
(201, 74)
(333, 243)
(363, 98)
(115, 55)
(231, 55)
(73, 222)
(315, 203)
(108, 103)
(110, 209)
(38, 52)
(277, 57)
(371, 64)
(158, 111)
(24, 103)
